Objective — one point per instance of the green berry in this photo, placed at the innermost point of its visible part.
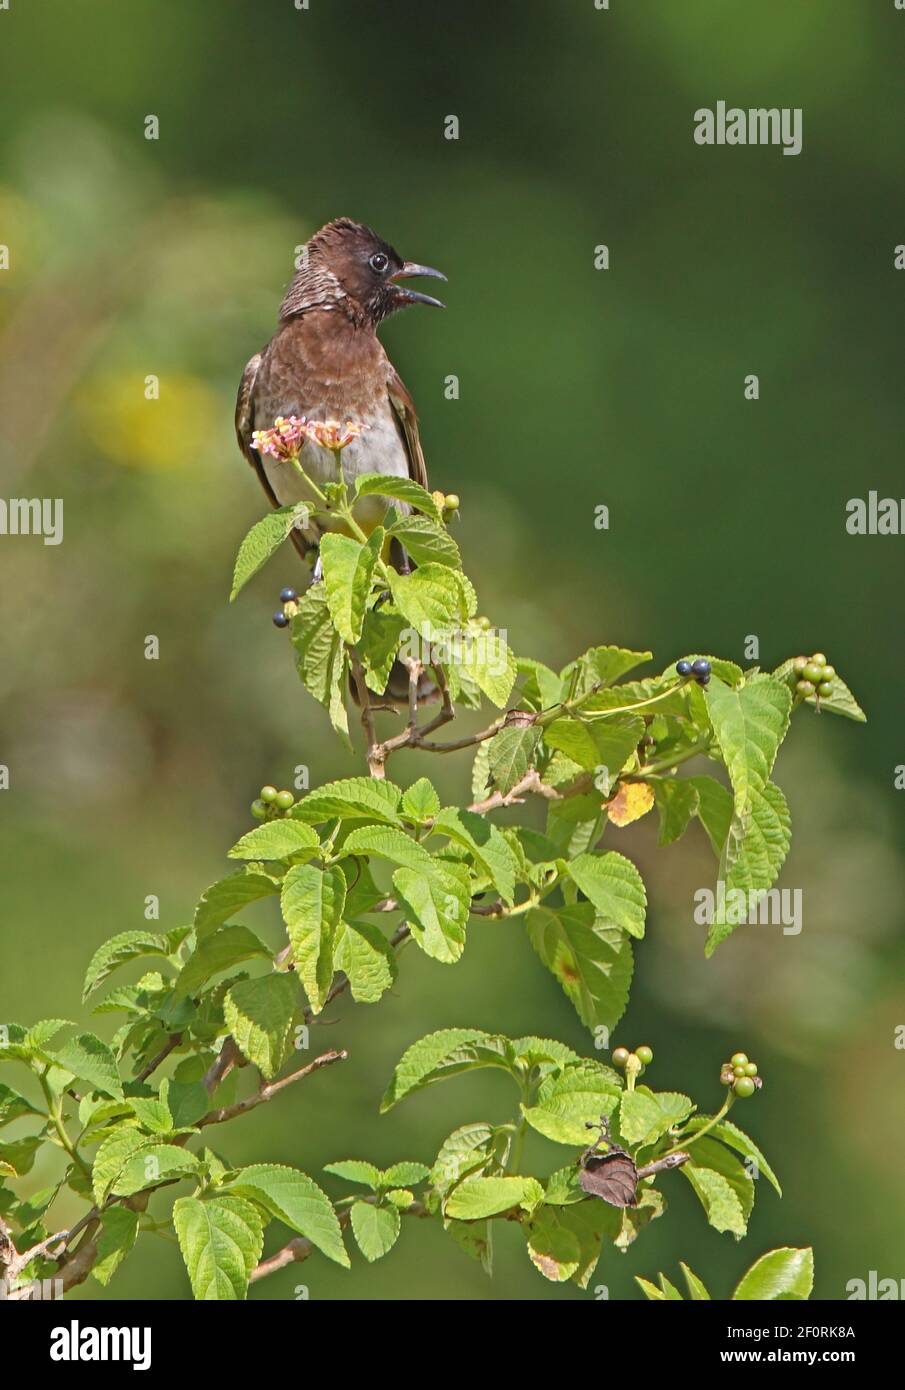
(620, 1056)
(284, 800)
(744, 1086)
(828, 673)
(825, 689)
(751, 1069)
(799, 664)
(739, 1059)
(813, 673)
(645, 1054)
(740, 1071)
(818, 659)
(805, 688)
(268, 793)
(258, 809)
(452, 502)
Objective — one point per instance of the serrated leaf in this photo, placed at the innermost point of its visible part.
(510, 754)
(119, 950)
(568, 1101)
(386, 842)
(480, 1197)
(754, 851)
(696, 1287)
(426, 542)
(218, 951)
(319, 652)
(365, 956)
(12, 1105)
(228, 895)
(119, 1228)
(600, 666)
(154, 1164)
(376, 1229)
(646, 1115)
(296, 1200)
(278, 839)
(591, 961)
(718, 1198)
(262, 541)
(113, 1154)
(553, 1249)
(379, 644)
(677, 802)
(615, 887)
(91, 1060)
(785, 1273)
(468, 1149)
(749, 725)
(221, 1242)
(405, 1173)
(443, 1054)
(355, 1170)
(430, 600)
(743, 1144)
(484, 658)
(25, 1044)
(437, 902)
(603, 744)
(351, 798)
(348, 571)
(421, 802)
(486, 845)
(400, 489)
(312, 904)
(259, 1013)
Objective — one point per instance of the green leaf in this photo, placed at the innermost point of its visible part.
(510, 754)
(365, 956)
(714, 810)
(614, 886)
(296, 1200)
(437, 901)
(262, 541)
(430, 600)
(380, 638)
(119, 950)
(753, 854)
(786, 1274)
(426, 542)
(119, 1228)
(677, 802)
(18, 1155)
(485, 843)
(26, 1044)
(319, 652)
(603, 745)
(312, 904)
(91, 1060)
(153, 1112)
(230, 894)
(553, 1249)
(568, 1100)
(355, 1170)
(709, 1153)
(421, 802)
(749, 724)
(476, 1198)
(696, 1287)
(440, 1055)
(400, 489)
(348, 571)
(112, 1156)
(645, 1115)
(386, 842)
(154, 1164)
(278, 839)
(13, 1106)
(650, 1290)
(218, 951)
(718, 1198)
(351, 798)
(259, 1013)
(221, 1242)
(601, 666)
(737, 1139)
(405, 1173)
(469, 1149)
(376, 1229)
(484, 658)
(591, 961)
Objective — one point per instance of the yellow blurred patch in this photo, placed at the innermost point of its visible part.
(632, 801)
(150, 422)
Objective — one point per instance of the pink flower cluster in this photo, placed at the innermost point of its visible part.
(289, 435)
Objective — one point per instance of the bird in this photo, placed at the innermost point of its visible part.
(326, 362)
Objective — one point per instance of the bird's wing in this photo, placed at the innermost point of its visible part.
(404, 410)
(245, 420)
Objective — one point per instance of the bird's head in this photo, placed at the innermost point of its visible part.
(347, 265)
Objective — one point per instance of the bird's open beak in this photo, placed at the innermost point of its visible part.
(407, 296)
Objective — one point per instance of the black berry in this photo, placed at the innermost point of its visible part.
(288, 596)
(701, 667)
(280, 619)
(683, 668)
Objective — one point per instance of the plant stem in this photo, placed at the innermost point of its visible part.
(651, 769)
(693, 1139)
(55, 1115)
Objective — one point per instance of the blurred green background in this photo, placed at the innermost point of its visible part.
(577, 387)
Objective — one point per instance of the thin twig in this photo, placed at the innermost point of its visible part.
(268, 1091)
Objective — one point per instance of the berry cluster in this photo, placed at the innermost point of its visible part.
(448, 502)
(271, 804)
(814, 676)
(281, 618)
(696, 670)
(643, 1055)
(741, 1075)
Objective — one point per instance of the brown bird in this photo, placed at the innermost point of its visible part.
(325, 362)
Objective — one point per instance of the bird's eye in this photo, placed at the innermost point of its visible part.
(379, 262)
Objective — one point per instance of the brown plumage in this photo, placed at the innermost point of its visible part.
(325, 361)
